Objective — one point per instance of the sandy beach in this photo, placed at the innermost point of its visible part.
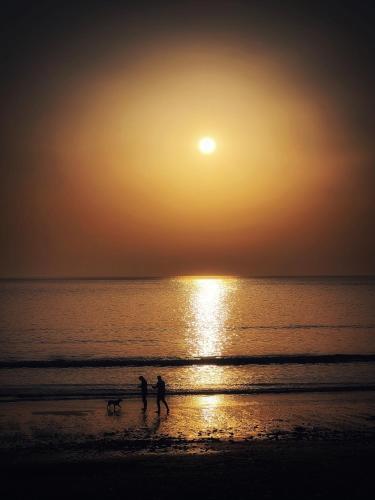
(221, 446)
(84, 426)
(262, 470)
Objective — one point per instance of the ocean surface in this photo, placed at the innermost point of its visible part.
(93, 338)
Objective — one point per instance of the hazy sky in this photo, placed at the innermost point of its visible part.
(103, 104)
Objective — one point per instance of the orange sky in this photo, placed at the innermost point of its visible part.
(107, 178)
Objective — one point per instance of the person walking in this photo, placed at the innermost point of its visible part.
(144, 389)
(160, 394)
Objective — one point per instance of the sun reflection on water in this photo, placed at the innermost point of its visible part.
(208, 313)
(208, 377)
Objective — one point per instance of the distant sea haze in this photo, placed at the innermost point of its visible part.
(66, 338)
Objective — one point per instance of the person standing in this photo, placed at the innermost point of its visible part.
(160, 394)
(144, 389)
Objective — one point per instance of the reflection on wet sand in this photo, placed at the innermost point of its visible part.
(151, 425)
(208, 406)
(193, 418)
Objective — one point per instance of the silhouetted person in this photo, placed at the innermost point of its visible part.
(160, 395)
(144, 390)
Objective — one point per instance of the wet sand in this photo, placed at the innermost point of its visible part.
(83, 424)
(260, 470)
(264, 446)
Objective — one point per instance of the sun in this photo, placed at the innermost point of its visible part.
(206, 145)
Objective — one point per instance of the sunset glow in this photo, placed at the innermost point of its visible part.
(207, 145)
(135, 188)
(165, 152)
(187, 258)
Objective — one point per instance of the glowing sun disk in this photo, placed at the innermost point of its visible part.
(206, 145)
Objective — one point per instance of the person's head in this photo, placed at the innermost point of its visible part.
(141, 377)
(159, 377)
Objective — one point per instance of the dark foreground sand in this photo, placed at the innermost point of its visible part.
(259, 470)
(292, 447)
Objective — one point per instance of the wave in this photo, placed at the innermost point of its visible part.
(53, 392)
(210, 360)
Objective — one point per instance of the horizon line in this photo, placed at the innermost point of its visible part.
(174, 276)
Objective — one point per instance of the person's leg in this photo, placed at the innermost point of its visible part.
(144, 403)
(165, 404)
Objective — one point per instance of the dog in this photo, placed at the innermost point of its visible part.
(114, 403)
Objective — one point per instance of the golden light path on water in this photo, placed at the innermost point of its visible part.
(209, 308)
(209, 311)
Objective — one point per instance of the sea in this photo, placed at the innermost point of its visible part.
(93, 338)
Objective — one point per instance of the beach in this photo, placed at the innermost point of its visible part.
(290, 470)
(81, 428)
(310, 445)
(270, 383)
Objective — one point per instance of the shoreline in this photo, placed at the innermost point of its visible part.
(264, 446)
(28, 394)
(84, 426)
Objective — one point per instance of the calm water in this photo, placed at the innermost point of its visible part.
(82, 338)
